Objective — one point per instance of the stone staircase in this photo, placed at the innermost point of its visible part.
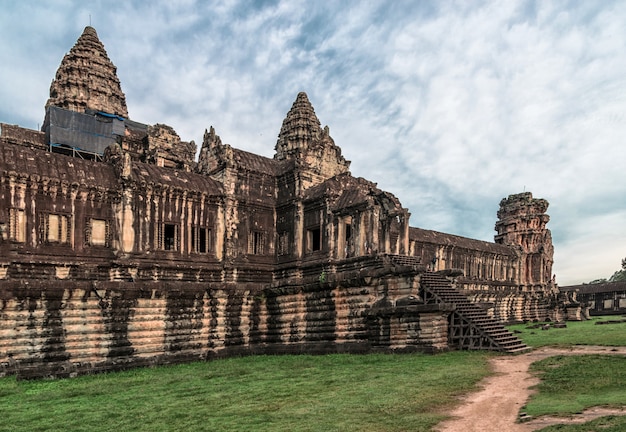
(405, 260)
(470, 327)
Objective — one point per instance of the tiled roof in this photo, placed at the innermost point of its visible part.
(261, 164)
(178, 179)
(25, 160)
(343, 186)
(350, 198)
(256, 163)
(346, 191)
(435, 237)
(596, 288)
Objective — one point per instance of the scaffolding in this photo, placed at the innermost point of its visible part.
(85, 135)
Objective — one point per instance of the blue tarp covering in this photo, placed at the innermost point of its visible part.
(102, 113)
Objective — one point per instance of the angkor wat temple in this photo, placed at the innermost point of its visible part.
(118, 248)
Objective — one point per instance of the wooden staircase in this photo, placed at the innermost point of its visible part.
(469, 325)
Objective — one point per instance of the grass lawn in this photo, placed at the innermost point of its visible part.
(373, 392)
(576, 333)
(603, 424)
(570, 384)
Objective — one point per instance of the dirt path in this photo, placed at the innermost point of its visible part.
(496, 406)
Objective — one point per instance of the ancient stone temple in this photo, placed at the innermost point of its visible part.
(119, 248)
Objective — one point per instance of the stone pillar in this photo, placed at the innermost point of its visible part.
(299, 230)
(126, 222)
(220, 232)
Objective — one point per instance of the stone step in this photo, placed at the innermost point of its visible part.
(518, 349)
(500, 337)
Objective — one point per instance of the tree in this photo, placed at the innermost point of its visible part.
(619, 275)
(596, 281)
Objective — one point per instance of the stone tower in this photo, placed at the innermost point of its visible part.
(87, 79)
(302, 139)
(521, 224)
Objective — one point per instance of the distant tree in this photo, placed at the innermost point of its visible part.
(596, 281)
(619, 275)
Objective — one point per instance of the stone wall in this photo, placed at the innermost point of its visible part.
(512, 306)
(27, 137)
(66, 328)
(607, 298)
(483, 265)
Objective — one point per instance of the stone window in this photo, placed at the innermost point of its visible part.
(98, 232)
(393, 242)
(622, 303)
(345, 243)
(314, 239)
(256, 243)
(55, 228)
(17, 225)
(169, 237)
(200, 239)
(607, 304)
(283, 243)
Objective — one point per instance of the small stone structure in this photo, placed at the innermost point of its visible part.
(141, 255)
(607, 298)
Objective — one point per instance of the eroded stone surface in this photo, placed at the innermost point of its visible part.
(302, 139)
(165, 148)
(521, 224)
(87, 79)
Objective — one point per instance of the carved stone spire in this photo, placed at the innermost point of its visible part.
(302, 138)
(522, 223)
(208, 160)
(87, 79)
(300, 128)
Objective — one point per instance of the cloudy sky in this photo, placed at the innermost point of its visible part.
(449, 105)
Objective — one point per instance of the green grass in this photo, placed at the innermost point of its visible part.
(279, 393)
(569, 384)
(603, 424)
(576, 333)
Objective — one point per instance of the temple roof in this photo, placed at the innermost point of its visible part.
(596, 288)
(302, 131)
(303, 140)
(439, 238)
(153, 175)
(254, 162)
(87, 79)
(345, 191)
(25, 161)
(300, 127)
